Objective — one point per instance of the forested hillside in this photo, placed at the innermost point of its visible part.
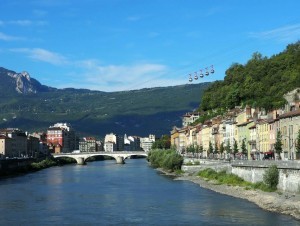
(261, 82)
(135, 112)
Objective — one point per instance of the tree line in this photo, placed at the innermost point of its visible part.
(261, 82)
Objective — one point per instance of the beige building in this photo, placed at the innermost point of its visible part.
(5, 146)
(189, 118)
(18, 142)
(206, 136)
(289, 127)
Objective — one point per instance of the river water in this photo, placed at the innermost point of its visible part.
(105, 193)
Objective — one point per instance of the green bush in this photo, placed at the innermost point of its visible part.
(166, 159)
(222, 177)
(271, 177)
(261, 186)
(196, 163)
(48, 162)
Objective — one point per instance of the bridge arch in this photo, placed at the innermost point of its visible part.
(118, 156)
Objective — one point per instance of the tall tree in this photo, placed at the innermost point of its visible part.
(216, 148)
(228, 148)
(201, 149)
(235, 148)
(244, 148)
(210, 148)
(222, 148)
(278, 143)
(298, 143)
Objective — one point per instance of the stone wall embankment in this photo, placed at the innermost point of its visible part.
(253, 171)
(217, 165)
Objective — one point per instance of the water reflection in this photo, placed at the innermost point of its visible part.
(105, 193)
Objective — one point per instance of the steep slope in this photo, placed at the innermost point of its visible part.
(261, 82)
(13, 83)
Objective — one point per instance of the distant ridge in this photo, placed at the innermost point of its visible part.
(31, 106)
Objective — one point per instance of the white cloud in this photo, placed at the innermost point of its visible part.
(43, 55)
(120, 77)
(22, 22)
(286, 34)
(133, 18)
(5, 37)
(93, 74)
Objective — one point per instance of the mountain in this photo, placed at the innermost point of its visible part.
(13, 83)
(31, 106)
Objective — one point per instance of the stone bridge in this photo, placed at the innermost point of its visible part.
(118, 156)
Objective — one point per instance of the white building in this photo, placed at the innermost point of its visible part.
(146, 142)
(109, 146)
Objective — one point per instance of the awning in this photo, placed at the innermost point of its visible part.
(254, 151)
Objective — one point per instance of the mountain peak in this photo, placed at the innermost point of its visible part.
(21, 83)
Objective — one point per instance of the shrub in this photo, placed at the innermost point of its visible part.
(196, 163)
(271, 177)
(167, 159)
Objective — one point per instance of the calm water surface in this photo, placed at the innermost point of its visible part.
(104, 193)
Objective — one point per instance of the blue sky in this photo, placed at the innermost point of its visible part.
(115, 45)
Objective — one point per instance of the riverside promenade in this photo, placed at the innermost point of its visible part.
(286, 200)
(251, 171)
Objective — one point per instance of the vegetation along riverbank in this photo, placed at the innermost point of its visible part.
(21, 166)
(264, 194)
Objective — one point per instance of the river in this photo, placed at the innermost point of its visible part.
(105, 193)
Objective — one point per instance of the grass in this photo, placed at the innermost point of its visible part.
(231, 180)
(179, 172)
(190, 163)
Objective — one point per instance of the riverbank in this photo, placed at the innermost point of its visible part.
(16, 167)
(280, 202)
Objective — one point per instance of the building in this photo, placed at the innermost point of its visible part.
(43, 147)
(18, 142)
(190, 118)
(33, 146)
(63, 135)
(132, 143)
(289, 127)
(174, 139)
(146, 142)
(109, 146)
(88, 144)
(5, 146)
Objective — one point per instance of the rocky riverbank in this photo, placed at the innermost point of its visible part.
(285, 203)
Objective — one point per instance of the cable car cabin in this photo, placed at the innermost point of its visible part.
(201, 74)
(196, 76)
(212, 69)
(206, 73)
(190, 79)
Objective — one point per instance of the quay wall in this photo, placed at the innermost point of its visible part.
(9, 166)
(252, 171)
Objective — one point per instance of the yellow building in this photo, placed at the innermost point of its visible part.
(243, 132)
(206, 135)
(263, 136)
(289, 127)
(175, 138)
